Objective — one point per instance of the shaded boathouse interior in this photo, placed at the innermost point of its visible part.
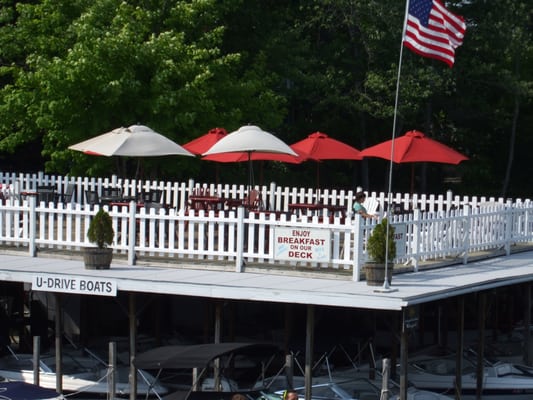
(346, 335)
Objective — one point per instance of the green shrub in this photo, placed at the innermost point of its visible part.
(377, 243)
(101, 229)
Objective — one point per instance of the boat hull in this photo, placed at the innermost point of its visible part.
(80, 376)
(500, 380)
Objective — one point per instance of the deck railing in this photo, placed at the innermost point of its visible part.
(275, 197)
(223, 239)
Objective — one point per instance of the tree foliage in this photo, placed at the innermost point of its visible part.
(72, 69)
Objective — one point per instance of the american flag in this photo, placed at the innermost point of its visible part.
(433, 31)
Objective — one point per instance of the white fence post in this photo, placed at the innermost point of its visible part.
(272, 197)
(467, 232)
(32, 249)
(240, 240)
(357, 249)
(132, 233)
(508, 227)
(415, 247)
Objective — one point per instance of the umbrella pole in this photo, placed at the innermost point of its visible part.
(250, 172)
(261, 172)
(318, 175)
(138, 169)
(412, 178)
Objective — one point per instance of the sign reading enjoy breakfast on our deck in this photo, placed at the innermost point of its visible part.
(75, 284)
(297, 244)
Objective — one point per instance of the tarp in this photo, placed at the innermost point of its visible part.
(25, 391)
(197, 355)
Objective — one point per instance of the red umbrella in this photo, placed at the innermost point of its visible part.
(318, 146)
(203, 143)
(412, 147)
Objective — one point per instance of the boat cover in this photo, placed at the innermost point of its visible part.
(25, 391)
(197, 355)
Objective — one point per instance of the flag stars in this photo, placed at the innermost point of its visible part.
(421, 9)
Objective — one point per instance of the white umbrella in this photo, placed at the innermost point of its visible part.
(250, 139)
(134, 141)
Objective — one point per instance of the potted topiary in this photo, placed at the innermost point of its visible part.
(377, 254)
(100, 233)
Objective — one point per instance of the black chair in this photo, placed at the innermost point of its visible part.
(110, 194)
(150, 196)
(113, 192)
(92, 198)
(66, 196)
(46, 193)
(153, 206)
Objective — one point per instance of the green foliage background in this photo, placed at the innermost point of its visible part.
(72, 69)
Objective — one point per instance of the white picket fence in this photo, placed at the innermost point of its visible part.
(451, 231)
(275, 197)
(228, 238)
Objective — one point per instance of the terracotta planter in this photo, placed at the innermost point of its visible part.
(96, 258)
(375, 273)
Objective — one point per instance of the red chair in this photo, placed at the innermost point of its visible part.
(254, 202)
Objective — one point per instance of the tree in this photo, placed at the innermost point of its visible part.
(74, 69)
(496, 89)
(349, 78)
(111, 63)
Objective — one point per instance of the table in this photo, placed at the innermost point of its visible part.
(39, 196)
(206, 203)
(124, 203)
(26, 194)
(110, 200)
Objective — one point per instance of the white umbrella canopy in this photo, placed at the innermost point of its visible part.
(249, 139)
(134, 141)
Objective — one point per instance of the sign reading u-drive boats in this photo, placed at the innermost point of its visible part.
(74, 285)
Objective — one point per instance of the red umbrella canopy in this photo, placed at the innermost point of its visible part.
(414, 146)
(203, 143)
(319, 146)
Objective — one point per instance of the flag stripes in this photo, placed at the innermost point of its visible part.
(433, 31)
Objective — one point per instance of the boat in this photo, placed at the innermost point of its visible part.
(355, 382)
(501, 380)
(82, 374)
(361, 389)
(207, 371)
(348, 385)
(26, 391)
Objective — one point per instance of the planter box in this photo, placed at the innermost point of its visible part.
(375, 273)
(96, 258)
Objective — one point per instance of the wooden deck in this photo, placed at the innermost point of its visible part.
(198, 280)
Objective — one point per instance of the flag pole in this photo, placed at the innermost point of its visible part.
(386, 283)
